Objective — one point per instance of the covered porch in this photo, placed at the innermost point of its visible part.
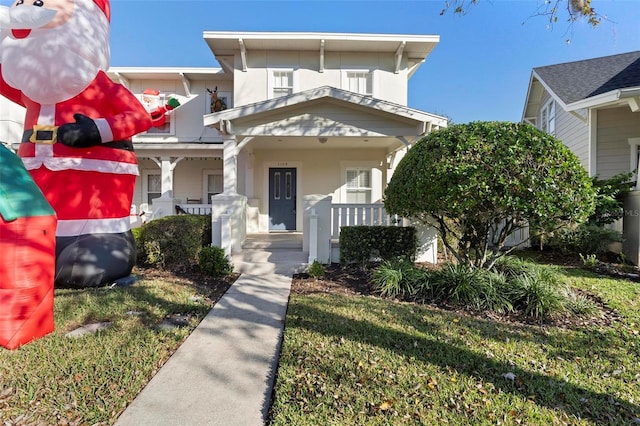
(309, 163)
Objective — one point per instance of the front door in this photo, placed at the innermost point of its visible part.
(282, 199)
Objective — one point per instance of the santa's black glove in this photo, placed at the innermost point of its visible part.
(81, 134)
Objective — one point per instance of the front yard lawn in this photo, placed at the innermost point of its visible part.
(357, 359)
(59, 380)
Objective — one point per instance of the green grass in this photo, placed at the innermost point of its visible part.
(361, 360)
(90, 380)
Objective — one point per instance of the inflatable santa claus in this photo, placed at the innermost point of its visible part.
(77, 133)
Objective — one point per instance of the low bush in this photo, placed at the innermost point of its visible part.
(316, 270)
(214, 262)
(173, 242)
(360, 244)
(587, 239)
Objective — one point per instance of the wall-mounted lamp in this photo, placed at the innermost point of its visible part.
(322, 140)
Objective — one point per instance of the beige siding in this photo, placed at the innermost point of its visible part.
(574, 133)
(320, 170)
(615, 126)
(253, 85)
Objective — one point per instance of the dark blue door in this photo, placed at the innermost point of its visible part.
(282, 199)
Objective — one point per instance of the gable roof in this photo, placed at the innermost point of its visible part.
(305, 114)
(587, 83)
(575, 81)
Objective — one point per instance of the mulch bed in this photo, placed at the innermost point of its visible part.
(355, 280)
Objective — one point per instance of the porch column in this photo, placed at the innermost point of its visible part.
(230, 168)
(165, 204)
(317, 208)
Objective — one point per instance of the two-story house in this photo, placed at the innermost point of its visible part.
(289, 123)
(593, 107)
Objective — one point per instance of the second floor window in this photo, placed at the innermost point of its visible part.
(548, 117)
(282, 83)
(360, 82)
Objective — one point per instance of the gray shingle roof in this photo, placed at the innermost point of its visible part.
(575, 81)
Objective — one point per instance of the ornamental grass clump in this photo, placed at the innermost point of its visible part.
(512, 286)
(539, 293)
(398, 277)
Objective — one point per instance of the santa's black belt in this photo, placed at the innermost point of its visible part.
(48, 135)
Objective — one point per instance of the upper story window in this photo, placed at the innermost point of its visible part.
(281, 83)
(359, 82)
(548, 117)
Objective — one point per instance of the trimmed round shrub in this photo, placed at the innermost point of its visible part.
(479, 174)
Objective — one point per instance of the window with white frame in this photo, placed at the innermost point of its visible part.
(359, 82)
(281, 83)
(548, 117)
(214, 183)
(358, 186)
(153, 187)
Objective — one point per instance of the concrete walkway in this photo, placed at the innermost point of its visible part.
(223, 373)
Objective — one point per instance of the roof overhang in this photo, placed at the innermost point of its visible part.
(225, 44)
(537, 87)
(186, 76)
(535, 95)
(628, 96)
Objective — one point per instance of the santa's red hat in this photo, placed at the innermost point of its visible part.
(105, 7)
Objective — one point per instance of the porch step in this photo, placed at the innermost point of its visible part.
(271, 253)
(284, 241)
(269, 261)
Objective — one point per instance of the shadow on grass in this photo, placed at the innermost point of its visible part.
(447, 352)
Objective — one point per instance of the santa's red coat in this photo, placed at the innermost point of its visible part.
(91, 189)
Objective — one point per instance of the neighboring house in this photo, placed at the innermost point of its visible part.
(311, 119)
(593, 107)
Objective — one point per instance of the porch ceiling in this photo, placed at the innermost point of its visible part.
(332, 143)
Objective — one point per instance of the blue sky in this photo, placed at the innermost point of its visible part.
(479, 71)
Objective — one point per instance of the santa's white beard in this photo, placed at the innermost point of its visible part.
(53, 65)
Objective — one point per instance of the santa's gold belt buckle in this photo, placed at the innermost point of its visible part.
(44, 134)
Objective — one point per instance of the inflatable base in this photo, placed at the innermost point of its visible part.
(27, 266)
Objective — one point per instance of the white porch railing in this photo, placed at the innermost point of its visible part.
(361, 214)
(196, 208)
